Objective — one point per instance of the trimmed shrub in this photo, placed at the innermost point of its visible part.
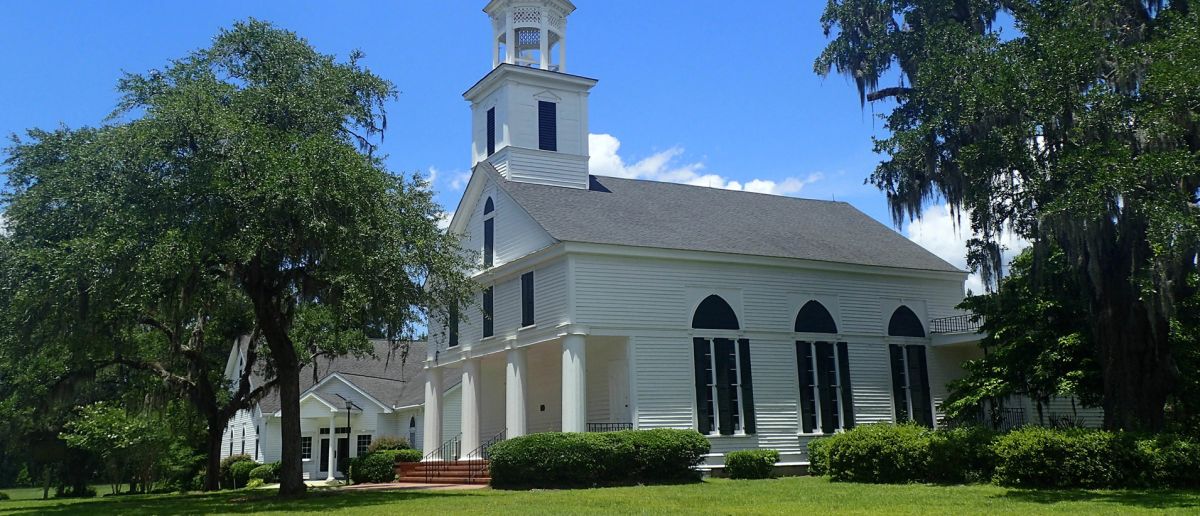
(592, 459)
(1042, 457)
(239, 472)
(751, 463)
(1172, 460)
(388, 443)
(268, 473)
(880, 453)
(255, 483)
(961, 455)
(228, 462)
(818, 456)
(380, 466)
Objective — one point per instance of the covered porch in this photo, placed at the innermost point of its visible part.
(572, 383)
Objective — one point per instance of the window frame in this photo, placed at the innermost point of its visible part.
(489, 312)
(845, 420)
(489, 234)
(528, 308)
(360, 448)
(491, 130)
(547, 133)
(306, 447)
(737, 387)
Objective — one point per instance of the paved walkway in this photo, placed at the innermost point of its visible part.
(410, 485)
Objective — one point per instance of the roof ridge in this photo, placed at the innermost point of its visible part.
(780, 196)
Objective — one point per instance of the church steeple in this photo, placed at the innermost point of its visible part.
(529, 117)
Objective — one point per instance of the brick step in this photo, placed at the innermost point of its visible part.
(450, 472)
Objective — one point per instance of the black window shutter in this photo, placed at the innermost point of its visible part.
(547, 126)
(491, 131)
(527, 299)
(747, 387)
(453, 323)
(702, 363)
(899, 399)
(487, 311)
(918, 371)
(489, 242)
(808, 406)
(724, 350)
(847, 392)
(826, 379)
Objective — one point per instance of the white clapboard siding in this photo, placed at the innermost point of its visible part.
(776, 393)
(665, 388)
(451, 413)
(550, 304)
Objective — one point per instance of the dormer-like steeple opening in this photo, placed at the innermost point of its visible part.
(530, 33)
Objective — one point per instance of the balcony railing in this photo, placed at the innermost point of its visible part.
(966, 323)
(609, 427)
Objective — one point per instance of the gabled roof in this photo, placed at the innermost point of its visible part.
(393, 379)
(661, 215)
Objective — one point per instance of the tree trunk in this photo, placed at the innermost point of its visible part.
(212, 474)
(1136, 362)
(287, 371)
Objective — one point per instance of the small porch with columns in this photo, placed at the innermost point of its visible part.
(572, 383)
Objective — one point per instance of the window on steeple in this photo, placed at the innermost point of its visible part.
(547, 126)
(491, 131)
(489, 233)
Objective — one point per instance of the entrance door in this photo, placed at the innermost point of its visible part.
(343, 454)
(618, 392)
(324, 455)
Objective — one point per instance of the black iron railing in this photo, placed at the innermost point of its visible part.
(439, 460)
(609, 427)
(1000, 419)
(477, 459)
(966, 323)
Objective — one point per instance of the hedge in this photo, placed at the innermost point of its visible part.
(880, 453)
(751, 463)
(240, 472)
(961, 455)
(1041, 457)
(226, 463)
(268, 473)
(380, 467)
(388, 443)
(818, 456)
(595, 459)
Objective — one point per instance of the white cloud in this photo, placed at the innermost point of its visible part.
(665, 166)
(459, 180)
(938, 231)
(444, 219)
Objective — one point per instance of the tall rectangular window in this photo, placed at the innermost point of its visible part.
(527, 299)
(453, 325)
(489, 242)
(547, 125)
(724, 391)
(306, 447)
(826, 397)
(491, 131)
(910, 384)
(364, 442)
(488, 312)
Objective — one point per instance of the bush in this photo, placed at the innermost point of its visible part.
(590, 459)
(3, 496)
(1042, 457)
(961, 455)
(388, 443)
(751, 463)
(226, 464)
(380, 466)
(818, 456)
(879, 453)
(1170, 461)
(268, 473)
(240, 472)
(254, 483)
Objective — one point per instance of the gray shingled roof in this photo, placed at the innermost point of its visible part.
(395, 380)
(674, 216)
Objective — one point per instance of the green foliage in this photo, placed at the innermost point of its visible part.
(818, 456)
(589, 459)
(388, 443)
(4, 496)
(254, 483)
(880, 453)
(751, 463)
(1074, 126)
(23, 479)
(1040, 457)
(239, 472)
(961, 455)
(227, 480)
(268, 473)
(130, 445)
(379, 466)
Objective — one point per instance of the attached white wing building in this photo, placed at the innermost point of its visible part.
(761, 321)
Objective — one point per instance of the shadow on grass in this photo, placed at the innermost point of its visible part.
(1144, 498)
(326, 501)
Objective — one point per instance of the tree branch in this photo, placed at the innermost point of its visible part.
(894, 91)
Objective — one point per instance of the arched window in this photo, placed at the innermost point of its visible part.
(826, 398)
(905, 323)
(910, 371)
(489, 233)
(412, 432)
(814, 318)
(714, 314)
(724, 392)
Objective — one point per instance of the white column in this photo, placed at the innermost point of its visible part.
(495, 49)
(562, 52)
(514, 394)
(433, 409)
(332, 445)
(510, 47)
(544, 44)
(574, 384)
(471, 393)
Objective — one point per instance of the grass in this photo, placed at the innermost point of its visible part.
(717, 496)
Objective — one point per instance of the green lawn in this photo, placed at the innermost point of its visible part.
(805, 495)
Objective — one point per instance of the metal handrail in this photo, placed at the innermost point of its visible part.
(479, 456)
(437, 461)
(965, 323)
(609, 427)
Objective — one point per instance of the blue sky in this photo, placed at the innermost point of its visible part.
(719, 93)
